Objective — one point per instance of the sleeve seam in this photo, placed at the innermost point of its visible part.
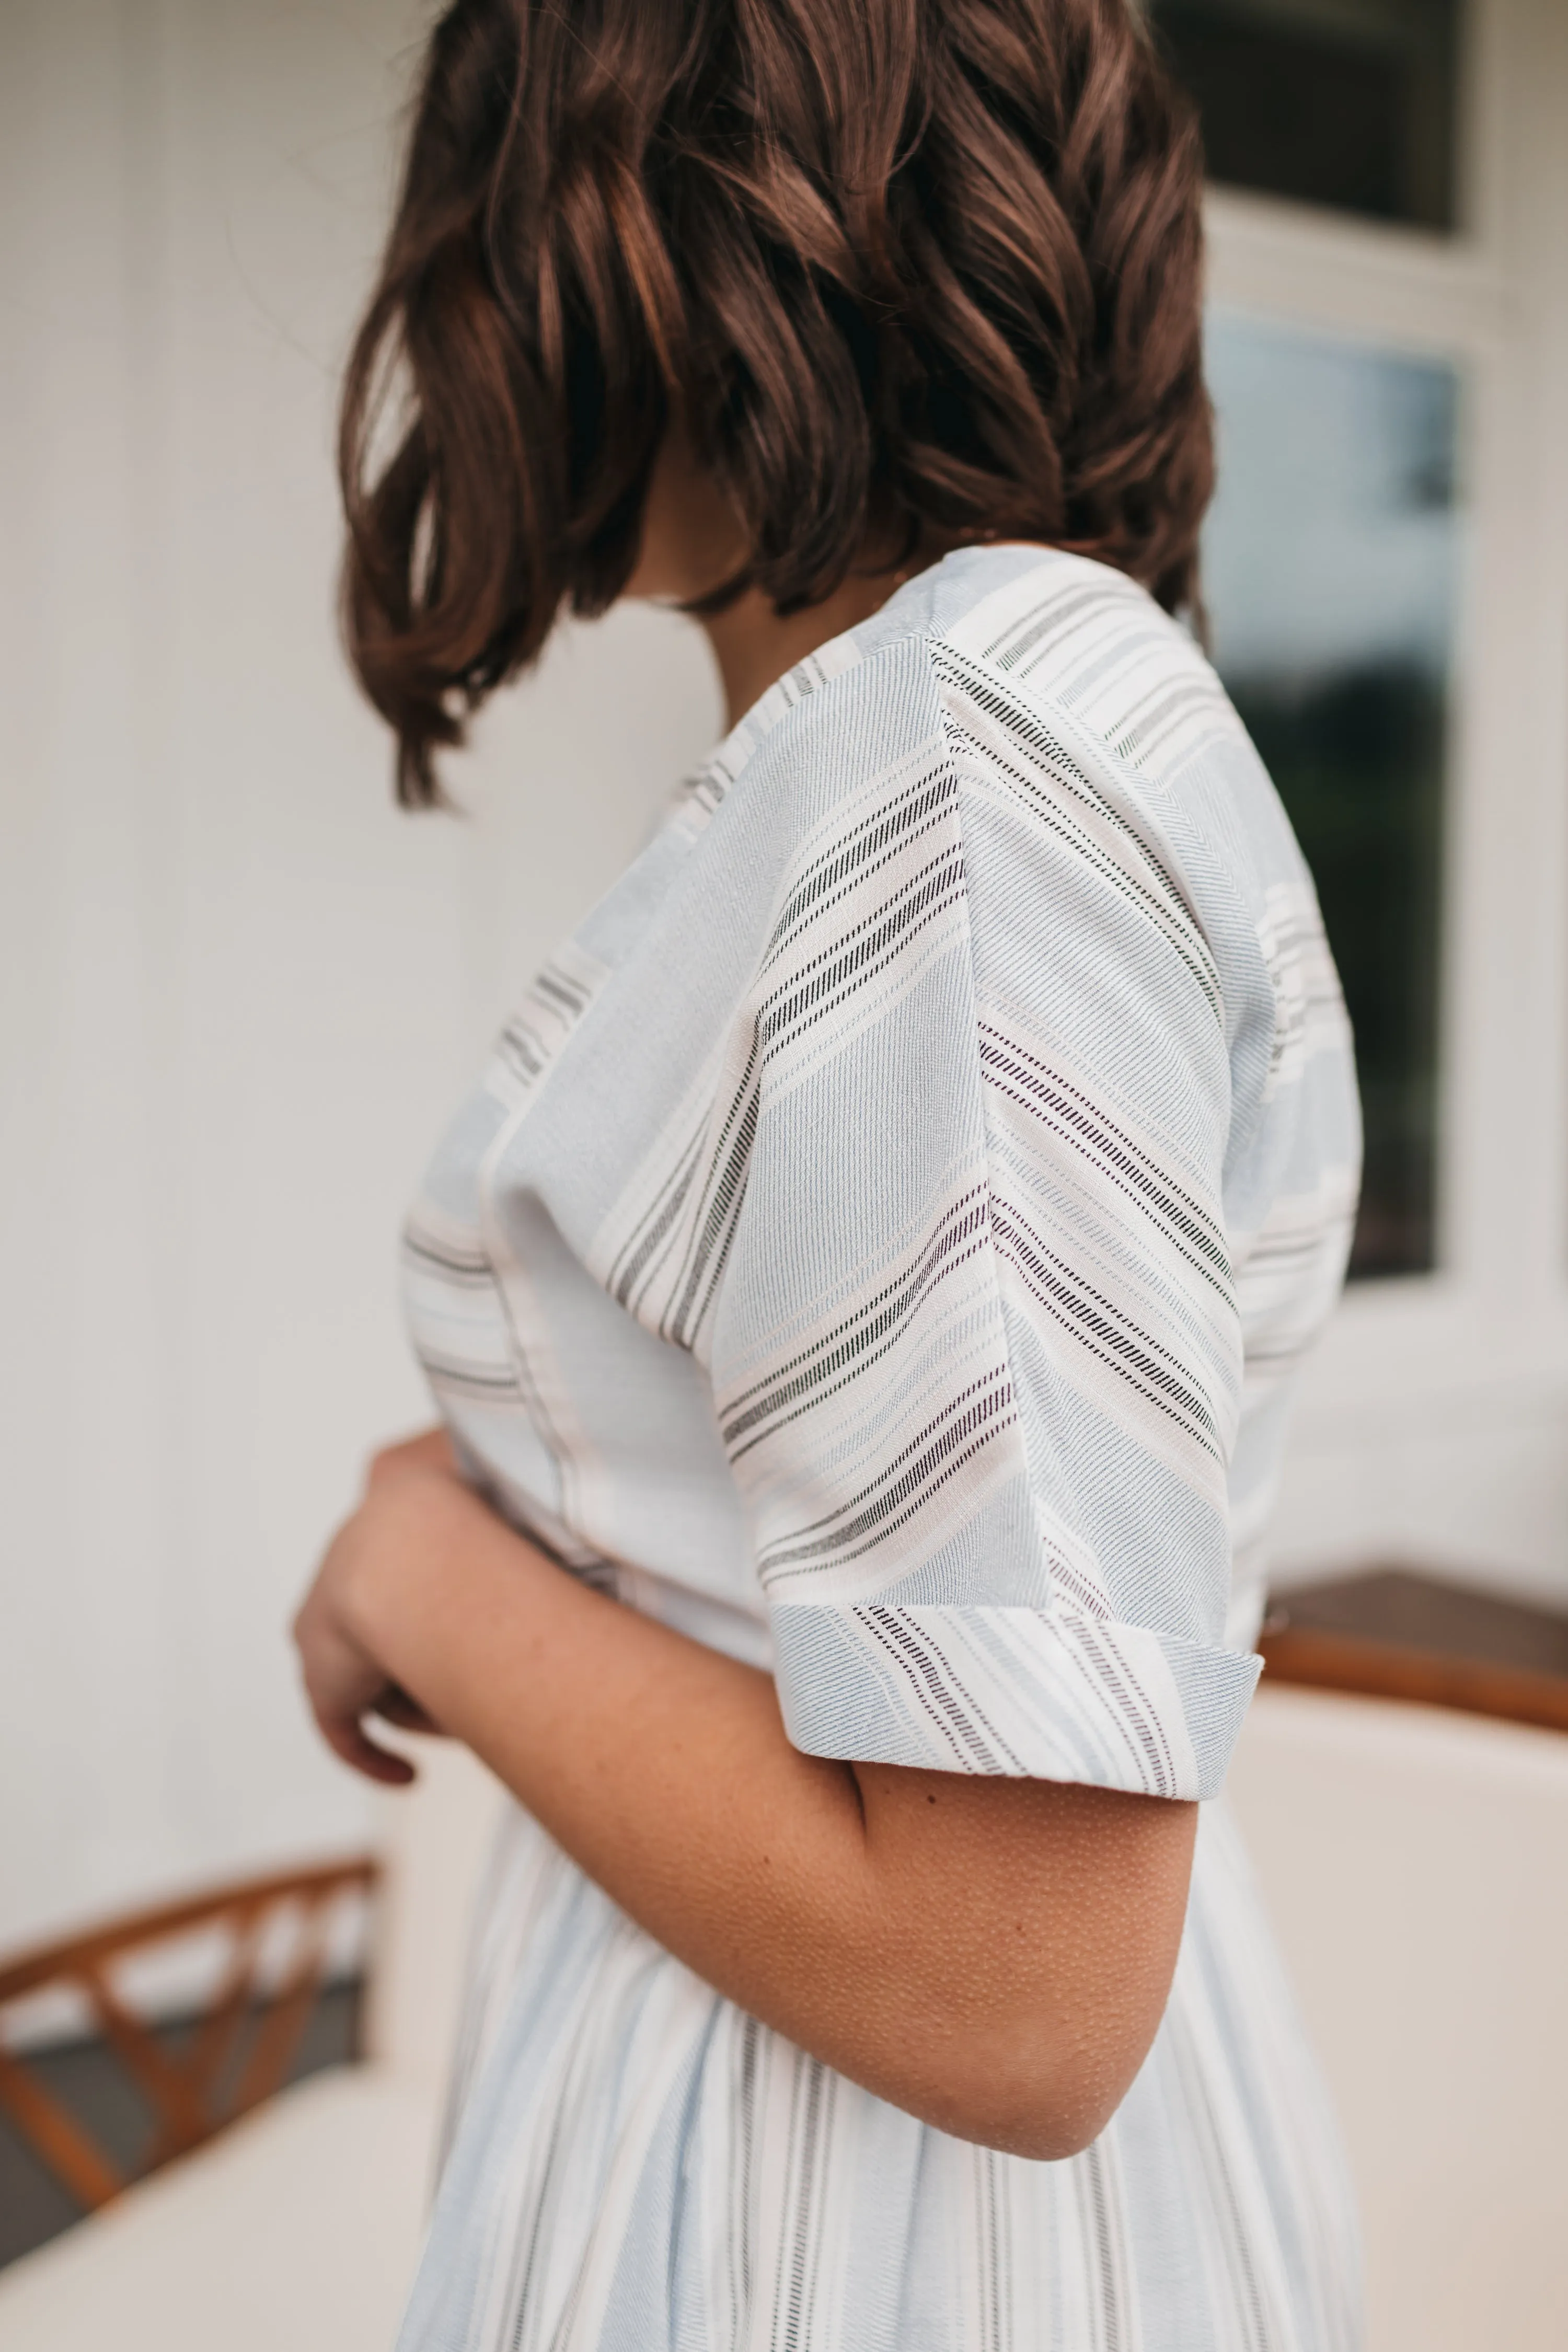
(1006, 1315)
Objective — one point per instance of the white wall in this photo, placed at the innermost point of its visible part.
(239, 992)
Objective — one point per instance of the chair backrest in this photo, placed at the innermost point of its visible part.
(233, 2055)
(1415, 1864)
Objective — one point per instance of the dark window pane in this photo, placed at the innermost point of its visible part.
(1340, 102)
(1329, 565)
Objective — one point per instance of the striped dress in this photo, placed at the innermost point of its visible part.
(880, 1247)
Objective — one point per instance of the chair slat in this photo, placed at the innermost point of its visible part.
(225, 2022)
(72, 2155)
(278, 2033)
(180, 2119)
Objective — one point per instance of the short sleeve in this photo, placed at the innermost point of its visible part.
(976, 1357)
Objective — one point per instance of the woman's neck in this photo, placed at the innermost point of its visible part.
(753, 646)
(692, 542)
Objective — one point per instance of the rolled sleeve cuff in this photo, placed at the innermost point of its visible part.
(1028, 1694)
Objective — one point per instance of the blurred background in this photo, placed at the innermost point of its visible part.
(240, 993)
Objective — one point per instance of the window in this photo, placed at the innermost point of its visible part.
(1330, 564)
(1348, 103)
(1366, 346)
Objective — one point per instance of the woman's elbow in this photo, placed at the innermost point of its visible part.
(1045, 2103)
(1028, 1937)
(1045, 2120)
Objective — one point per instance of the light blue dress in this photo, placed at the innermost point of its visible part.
(881, 1246)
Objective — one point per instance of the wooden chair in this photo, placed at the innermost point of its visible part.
(234, 2055)
(1410, 1854)
(301, 2224)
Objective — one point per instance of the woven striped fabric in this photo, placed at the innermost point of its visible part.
(880, 1247)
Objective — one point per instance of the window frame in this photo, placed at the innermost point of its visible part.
(1479, 1346)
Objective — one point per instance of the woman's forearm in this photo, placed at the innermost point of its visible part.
(659, 1765)
(991, 1954)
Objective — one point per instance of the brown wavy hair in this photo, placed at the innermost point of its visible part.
(910, 270)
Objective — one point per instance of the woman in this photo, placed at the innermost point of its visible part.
(863, 1293)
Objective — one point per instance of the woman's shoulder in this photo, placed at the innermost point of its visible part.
(1056, 664)
(1002, 658)
(1040, 629)
(1071, 659)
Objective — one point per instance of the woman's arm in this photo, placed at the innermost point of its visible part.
(993, 1956)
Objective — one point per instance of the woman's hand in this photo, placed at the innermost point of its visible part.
(992, 1954)
(334, 1630)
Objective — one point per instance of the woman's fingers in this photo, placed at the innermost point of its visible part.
(345, 1683)
(344, 1680)
(395, 1705)
(348, 1742)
